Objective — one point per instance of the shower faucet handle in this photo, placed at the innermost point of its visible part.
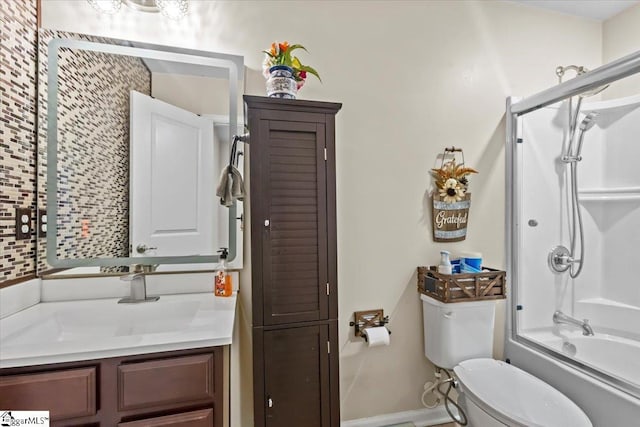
(560, 259)
(566, 260)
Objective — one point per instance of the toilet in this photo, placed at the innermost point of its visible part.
(459, 337)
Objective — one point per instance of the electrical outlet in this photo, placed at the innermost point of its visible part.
(23, 223)
(42, 223)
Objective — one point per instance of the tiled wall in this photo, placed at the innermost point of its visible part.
(18, 53)
(94, 113)
(93, 154)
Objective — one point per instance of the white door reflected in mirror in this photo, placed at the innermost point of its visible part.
(172, 162)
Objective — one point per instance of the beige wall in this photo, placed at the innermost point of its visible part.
(621, 37)
(201, 95)
(437, 76)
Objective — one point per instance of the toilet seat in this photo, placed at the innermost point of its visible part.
(516, 398)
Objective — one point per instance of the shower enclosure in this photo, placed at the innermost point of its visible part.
(573, 241)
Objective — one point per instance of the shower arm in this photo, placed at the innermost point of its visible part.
(560, 70)
(573, 116)
(598, 77)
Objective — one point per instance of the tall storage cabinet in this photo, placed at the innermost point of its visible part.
(293, 256)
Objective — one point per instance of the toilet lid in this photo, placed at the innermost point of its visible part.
(515, 397)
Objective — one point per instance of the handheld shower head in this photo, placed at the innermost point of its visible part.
(588, 122)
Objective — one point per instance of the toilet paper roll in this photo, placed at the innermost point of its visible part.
(377, 336)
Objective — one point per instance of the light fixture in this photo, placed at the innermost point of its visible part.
(106, 6)
(172, 9)
(143, 5)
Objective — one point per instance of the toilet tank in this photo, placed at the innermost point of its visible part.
(458, 331)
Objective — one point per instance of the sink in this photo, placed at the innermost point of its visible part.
(80, 330)
(105, 321)
(157, 317)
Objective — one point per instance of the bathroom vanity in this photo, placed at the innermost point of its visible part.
(160, 389)
(155, 364)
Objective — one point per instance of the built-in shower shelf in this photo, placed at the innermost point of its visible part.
(622, 194)
(612, 105)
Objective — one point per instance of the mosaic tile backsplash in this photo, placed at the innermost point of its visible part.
(93, 148)
(18, 55)
(94, 143)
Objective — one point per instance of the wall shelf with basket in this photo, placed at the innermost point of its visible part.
(490, 284)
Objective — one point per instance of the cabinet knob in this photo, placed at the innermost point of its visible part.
(269, 402)
(266, 222)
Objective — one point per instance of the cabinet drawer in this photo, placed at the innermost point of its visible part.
(65, 394)
(167, 382)
(203, 418)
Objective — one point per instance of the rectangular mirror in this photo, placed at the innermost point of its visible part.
(132, 140)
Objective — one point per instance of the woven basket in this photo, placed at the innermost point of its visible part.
(488, 285)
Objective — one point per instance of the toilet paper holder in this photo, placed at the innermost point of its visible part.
(368, 319)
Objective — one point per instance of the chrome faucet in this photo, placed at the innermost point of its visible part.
(559, 317)
(138, 287)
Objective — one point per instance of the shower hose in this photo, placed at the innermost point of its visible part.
(576, 213)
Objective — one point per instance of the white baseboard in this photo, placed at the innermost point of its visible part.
(420, 417)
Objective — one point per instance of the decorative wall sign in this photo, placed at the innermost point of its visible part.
(450, 219)
(451, 200)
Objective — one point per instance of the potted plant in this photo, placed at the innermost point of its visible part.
(284, 72)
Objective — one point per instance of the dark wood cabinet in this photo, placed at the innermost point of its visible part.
(158, 383)
(294, 269)
(68, 393)
(178, 388)
(202, 418)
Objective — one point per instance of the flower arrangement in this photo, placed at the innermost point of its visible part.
(451, 180)
(280, 54)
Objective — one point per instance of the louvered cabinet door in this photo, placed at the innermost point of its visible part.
(296, 366)
(294, 202)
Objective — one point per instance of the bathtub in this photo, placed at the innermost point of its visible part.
(616, 356)
(566, 360)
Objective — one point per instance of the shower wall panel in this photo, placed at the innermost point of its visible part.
(611, 219)
(544, 199)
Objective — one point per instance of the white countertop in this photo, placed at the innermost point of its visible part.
(56, 332)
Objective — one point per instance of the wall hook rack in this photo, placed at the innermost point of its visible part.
(368, 319)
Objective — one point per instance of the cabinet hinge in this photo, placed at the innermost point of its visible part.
(327, 288)
(325, 154)
(328, 347)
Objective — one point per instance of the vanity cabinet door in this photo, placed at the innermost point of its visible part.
(65, 394)
(166, 382)
(203, 418)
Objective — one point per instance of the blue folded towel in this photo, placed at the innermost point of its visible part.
(466, 268)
